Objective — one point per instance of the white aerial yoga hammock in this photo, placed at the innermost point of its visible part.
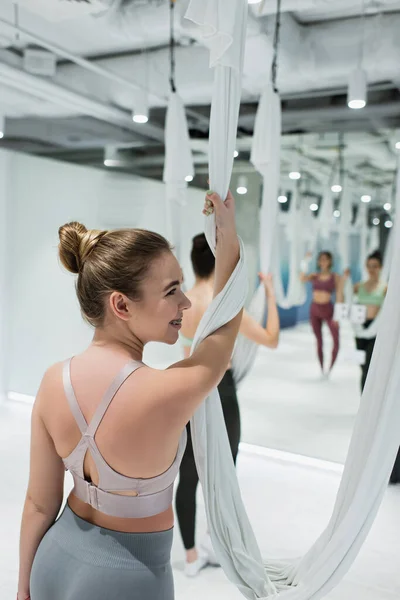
(178, 165)
(374, 442)
(325, 216)
(361, 226)
(265, 156)
(374, 239)
(345, 227)
(296, 292)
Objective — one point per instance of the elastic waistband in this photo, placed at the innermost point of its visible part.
(107, 548)
(322, 307)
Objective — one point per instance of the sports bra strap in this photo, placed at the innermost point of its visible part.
(101, 410)
(72, 401)
(90, 430)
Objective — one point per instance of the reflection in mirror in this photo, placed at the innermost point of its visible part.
(111, 119)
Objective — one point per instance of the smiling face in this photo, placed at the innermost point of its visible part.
(157, 316)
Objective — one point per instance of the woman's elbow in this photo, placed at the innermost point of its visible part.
(275, 343)
(272, 341)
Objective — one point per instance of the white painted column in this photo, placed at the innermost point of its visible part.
(5, 160)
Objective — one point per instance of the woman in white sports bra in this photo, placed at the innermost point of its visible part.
(117, 425)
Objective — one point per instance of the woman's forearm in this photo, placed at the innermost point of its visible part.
(33, 527)
(227, 257)
(273, 324)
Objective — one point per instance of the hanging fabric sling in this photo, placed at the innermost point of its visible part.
(374, 442)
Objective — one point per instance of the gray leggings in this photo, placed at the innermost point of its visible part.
(80, 561)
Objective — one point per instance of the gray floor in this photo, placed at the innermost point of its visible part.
(285, 405)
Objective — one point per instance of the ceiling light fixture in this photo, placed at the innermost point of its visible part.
(387, 206)
(336, 188)
(295, 175)
(242, 185)
(357, 89)
(376, 221)
(254, 1)
(282, 199)
(189, 178)
(336, 213)
(235, 154)
(314, 207)
(2, 126)
(141, 108)
(397, 145)
(111, 157)
(366, 198)
(388, 224)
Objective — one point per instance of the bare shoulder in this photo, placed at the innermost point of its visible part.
(172, 393)
(51, 380)
(48, 394)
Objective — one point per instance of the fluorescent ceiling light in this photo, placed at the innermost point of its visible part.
(282, 199)
(366, 198)
(314, 207)
(295, 175)
(336, 188)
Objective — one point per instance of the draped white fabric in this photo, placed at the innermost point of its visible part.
(311, 227)
(231, 533)
(374, 443)
(374, 240)
(178, 165)
(325, 215)
(388, 258)
(265, 156)
(296, 290)
(362, 227)
(345, 228)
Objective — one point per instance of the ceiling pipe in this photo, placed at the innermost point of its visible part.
(50, 91)
(93, 67)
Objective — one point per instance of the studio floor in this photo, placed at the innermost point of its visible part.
(286, 405)
(289, 498)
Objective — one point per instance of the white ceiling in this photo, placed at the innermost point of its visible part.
(320, 45)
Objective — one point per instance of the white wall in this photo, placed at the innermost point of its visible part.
(44, 324)
(4, 270)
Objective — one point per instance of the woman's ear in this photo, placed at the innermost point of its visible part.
(119, 305)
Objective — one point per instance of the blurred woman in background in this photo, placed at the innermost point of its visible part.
(325, 284)
(200, 296)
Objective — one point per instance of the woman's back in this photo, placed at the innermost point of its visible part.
(117, 425)
(200, 297)
(132, 437)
